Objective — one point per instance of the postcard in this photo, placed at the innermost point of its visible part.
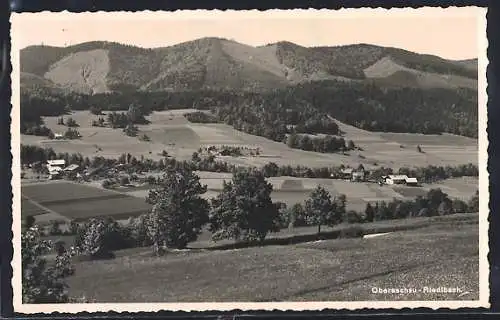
(251, 160)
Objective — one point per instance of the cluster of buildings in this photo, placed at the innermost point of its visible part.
(221, 150)
(57, 168)
(358, 175)
(354, 174)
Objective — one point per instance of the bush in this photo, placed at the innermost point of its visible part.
(29, 222)
(71, 123)
(151, 180)
(99, 122)
(72, 134)
(353, 217)
(139, 231)
(38, 130)
(124, 180)
(55, 229)
(73, 227)
(351, 232)
(107, 184)
(97, 238)
(297, 215)
(59, 247)
(131, 130)
(283, 218)
(95, 110)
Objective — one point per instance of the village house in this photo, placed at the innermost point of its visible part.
(358, 175)
(396, 179)
(56, 163)
(411, 182)
(72, 168)
(55, 172)
(353, 174)
(55, 168)
(72, 171)
(347, 173)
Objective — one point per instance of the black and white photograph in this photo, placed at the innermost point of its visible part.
(251, 160)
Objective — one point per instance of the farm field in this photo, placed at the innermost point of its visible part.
(42, 214)
(334, 270)
(291, 190)
(458, 188)
(62, 200)
(71, 201)
(170, 131)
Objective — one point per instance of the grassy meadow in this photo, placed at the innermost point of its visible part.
(338, 270)
(170, 131)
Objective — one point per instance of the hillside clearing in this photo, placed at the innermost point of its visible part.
(170, 131)
(387, 67)
(333, 270)
(82, 71)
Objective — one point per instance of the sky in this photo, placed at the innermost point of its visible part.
(450, 33)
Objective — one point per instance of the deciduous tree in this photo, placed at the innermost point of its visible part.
(179, 212)
(321, 210)
(244, 210)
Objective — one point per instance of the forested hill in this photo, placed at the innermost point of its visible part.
(364, 105)
(259, 89)
(214, 63)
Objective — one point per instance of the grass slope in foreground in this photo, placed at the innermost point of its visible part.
(440, 255)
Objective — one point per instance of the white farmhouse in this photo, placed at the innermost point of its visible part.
(396, 179)
(56, 163)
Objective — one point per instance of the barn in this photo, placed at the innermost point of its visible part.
(411, 182)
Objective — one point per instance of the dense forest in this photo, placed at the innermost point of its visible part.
(299, 109)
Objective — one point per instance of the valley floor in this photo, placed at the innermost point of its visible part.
(170, 131)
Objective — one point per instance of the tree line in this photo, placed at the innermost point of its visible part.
(200, 117)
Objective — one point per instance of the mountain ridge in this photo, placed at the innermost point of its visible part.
(217, 63)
